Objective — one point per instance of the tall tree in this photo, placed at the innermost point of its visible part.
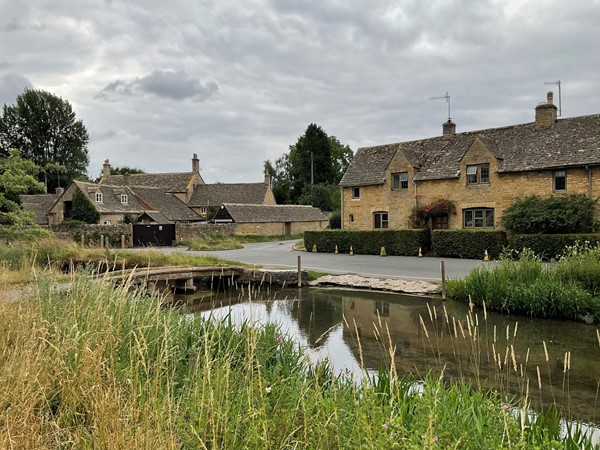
(45, 129)
(311, 171)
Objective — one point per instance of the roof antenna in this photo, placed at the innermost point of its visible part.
(443, 97)
(559, 102)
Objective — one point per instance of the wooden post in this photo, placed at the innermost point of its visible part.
(101, 241)
(107, 242)
(122, 241)
(299, 272)
(82, 240)
(443, 270)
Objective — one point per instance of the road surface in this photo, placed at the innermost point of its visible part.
(281, 255)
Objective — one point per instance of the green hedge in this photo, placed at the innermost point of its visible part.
(549, 246)
(396, 242)
(468, 243)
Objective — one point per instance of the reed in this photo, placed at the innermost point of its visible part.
(108, 368)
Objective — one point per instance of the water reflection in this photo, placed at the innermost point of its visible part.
(427, 334)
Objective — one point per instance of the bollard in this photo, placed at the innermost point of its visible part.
(314, 249)
(336, 250)
(420, 253)
(101, 241)
(351, 251)
(486, 257)
(122, 241)
(382, 252)
(443, 270)
(82, 240)
(299, 272)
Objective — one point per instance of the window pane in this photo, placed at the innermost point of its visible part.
(468, 218)
(560, 180)
(404, 180)
(377, 221)
(489, 218)
(485, 173)
(478, 223)
(479, 213)
(471, 170)
(355, 192)
(395, 181)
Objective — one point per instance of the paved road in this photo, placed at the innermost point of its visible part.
(281, 255)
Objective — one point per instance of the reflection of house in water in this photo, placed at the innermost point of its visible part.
(317, 312)
(418, 352)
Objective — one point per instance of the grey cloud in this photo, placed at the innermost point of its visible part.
(174, 85)
(11, 85)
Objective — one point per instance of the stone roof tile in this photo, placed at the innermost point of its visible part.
(245, 213)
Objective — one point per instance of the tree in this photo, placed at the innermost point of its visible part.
(17, 177)
(310, 172)
(83, 209)
(43, 126)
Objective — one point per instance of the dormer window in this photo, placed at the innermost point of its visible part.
(99, 197)
(478, 174)
(124, 199)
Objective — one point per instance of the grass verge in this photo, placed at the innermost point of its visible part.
(230, 242)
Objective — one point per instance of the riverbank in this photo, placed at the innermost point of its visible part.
(104, 368)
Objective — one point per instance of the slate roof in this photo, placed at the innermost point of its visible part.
(39, 205)
(219, 193)
(244, 213)
(568, 143)
(167, 204)
(170, 182)
(111, 198)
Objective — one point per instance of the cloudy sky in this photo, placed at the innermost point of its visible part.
(237, 82)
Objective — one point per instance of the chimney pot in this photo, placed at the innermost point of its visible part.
(267, 178)
(195, 164)
(550, 98)
(545, 113)
(106, 169)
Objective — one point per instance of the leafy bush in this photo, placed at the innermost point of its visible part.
(335, 221)
(468, 243)
(12, 257)
(581, 264)
(557, 214)
(83, 210)
(396, 242)
(549, 246)
(69, 223)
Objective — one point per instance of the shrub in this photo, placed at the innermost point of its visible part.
(83, 210)
(335, 221)
(396, 242)
(557, 214)
(549, 246)
(468, 243)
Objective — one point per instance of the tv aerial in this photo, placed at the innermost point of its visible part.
(443, 97)
(557, 83)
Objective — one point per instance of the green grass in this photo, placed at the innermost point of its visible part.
(230, 242)
(568, 289)
(105, 368)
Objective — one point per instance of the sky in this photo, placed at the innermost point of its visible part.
(238, 82)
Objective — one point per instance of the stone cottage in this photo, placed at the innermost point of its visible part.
(479, 172)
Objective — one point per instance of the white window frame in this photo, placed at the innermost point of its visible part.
(99, 197)
(383, 223)
(474, 172)
(203, 210)
(399, 181)
(479, 218)
(124, 199)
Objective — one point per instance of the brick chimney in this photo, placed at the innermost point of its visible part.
(449, 128)
(195, 164)
(106, 169)
(545, 114)
(59, 191)
(267, 178)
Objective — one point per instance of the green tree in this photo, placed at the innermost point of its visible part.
(83, 209)
(45, 129)
(18, 177)
(310, 172)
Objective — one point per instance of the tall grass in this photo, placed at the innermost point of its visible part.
(567, 289)
(105, 368)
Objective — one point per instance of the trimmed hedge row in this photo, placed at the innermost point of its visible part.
(468, 243)
(396, 242)
(550, 246)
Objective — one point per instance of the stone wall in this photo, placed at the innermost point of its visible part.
(92, 233)
(185, 231)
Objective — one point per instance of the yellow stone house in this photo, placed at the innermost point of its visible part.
(480, 172)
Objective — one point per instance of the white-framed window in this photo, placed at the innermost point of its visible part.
(478, 218)
(124, 199)
(107, 222)
(478, 174)
(399, 181)
(99, 197)
(559, 182)
(380, 220)
(203, 210)
(355, 192)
